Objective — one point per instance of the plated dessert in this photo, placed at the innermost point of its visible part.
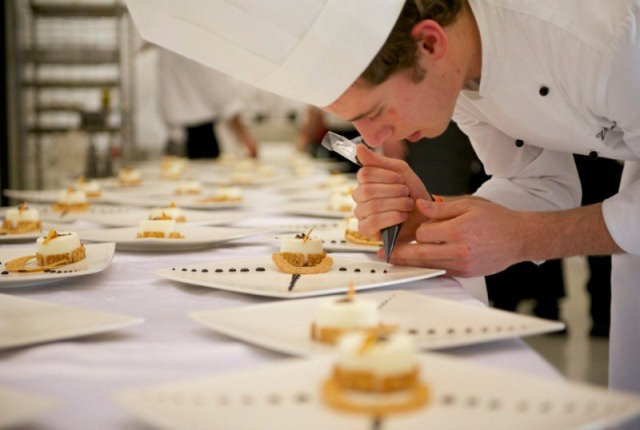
(53, 250)
(302, 255)
(224, 194)
(383, 367)
(162, 227)
(173, 167)
(71, 200)
(21, 219)
(172, 212)
(351, 234)
(129, 177)
(91, 188)
(189, 187)
(337, 317)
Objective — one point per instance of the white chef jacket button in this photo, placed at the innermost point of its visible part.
(544, 90)
(519, 143)
(593, 155)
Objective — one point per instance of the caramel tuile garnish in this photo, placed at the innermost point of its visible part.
(165, 216)
(351, 294)
(23, 207)
(307, 236)
(50, 236)
(368, 343)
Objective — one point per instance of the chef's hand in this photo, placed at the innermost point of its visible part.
(386, 195)
(466, 237)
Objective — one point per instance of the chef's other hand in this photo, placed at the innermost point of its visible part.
(386, 194)
(466, 237)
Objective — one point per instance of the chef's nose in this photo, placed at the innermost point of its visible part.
(374, 134)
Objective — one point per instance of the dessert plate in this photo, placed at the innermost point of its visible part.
(193, 217)
(321, 224)
(260, 276)
(313, 208)
(27, 322)
(194, 238)
(332, 240)
(18, 407)
(98, 258)
(433, 323)
(189, 202)
(462, 395)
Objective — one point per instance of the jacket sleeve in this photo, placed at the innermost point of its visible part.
(522, 178)
(618, 99)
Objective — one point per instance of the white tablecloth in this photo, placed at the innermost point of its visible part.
(82, 374)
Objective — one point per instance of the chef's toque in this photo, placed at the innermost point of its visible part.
(306, 50)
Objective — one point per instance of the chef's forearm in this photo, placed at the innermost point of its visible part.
(580, 231)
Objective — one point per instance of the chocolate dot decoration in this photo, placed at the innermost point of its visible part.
(333, 241)
(173, 268)
(373, 271)
(205, 270)
(301, 397)
(244, 269)
(448, 399)
(343, 269)
(232, 270)
(343, 241)
(218, 270)
(356, 270)
(184, 269)
(260, 269)
(494, 404)
(413, 331)
(193, 270)
(4, 272)
(274, 399)
(384, 271)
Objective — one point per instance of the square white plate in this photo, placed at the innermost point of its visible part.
(332, 240)
(98, 258)
(18, 407)
(320, 224)
(313, 208)
(26, 321)
(462, 395)
(260, 276)
(433, 323)
(194, 217)
(194, 238)
(189, 202)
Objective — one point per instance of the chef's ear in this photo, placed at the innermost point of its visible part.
(430, 38)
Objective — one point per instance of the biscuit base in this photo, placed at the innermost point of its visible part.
(366, 381)
(331, 335)
(357, 238)
(93, 194)
(220, 199)
(286, 267)
(159, 235)
(22, 227)
(129, 183)
(66, 258)
(337, 397)
(76, 207)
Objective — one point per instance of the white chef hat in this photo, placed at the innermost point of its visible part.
(306, 50)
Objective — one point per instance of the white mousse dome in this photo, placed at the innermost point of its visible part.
(389, 355)
(301, 246)
(21, 214)
(347, 313)
(63, 243)
(72, 197)
(165, 226)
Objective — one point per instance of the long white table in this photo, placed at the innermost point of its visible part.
(82, 374)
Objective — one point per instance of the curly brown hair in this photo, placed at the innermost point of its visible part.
(399, 51)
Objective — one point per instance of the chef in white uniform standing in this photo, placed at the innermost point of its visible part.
(530, 82)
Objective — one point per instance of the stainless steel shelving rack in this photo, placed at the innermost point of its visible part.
(73, 64)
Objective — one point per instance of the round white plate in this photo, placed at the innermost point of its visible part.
(98, 258)
(195, 238)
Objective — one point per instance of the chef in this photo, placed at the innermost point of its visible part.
(529, 82)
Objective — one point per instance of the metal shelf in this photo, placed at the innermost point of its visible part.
(72, 56)
(55, 10)
(67, 83)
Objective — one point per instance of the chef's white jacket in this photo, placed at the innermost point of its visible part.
(192, 94)
(563, 77)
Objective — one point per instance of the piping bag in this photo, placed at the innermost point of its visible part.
(347, 148)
